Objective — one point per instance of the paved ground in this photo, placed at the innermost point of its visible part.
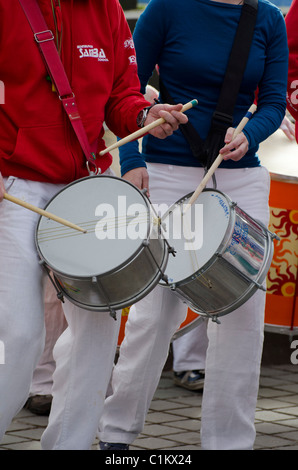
(173, 422)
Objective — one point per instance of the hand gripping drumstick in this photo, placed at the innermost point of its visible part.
(47, 214)
(144, 130)
(219, 158)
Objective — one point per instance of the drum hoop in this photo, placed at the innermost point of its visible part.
(284, 178)
(221, 246)
(140, 248)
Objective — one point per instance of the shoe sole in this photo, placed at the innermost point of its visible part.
(188, 386)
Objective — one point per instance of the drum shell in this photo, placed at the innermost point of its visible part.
(122, 287)
(235, 271)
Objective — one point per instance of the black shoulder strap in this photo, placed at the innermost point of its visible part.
(223, 116)
(237, 62)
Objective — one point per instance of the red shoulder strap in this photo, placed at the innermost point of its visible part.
(45, 41)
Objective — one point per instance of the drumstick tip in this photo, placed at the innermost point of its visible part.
(187, 206)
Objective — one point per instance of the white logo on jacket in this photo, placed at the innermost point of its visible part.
(128, 44)
(93, 52)
(132, 59)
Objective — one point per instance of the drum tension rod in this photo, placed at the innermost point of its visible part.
(164, 277)
(171, 249)
(53, 281)
(105, 295)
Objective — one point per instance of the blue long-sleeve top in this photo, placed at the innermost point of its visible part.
(191, 40)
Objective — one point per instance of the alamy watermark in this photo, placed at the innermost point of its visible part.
(131, 221)
(2, 353)
(293, 97)
(2, 92)
(294, 355)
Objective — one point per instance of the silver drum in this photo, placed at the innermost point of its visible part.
(222, 254)
(119, 259)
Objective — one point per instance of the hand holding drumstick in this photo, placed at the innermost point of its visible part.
(234, 148)
(161, 125)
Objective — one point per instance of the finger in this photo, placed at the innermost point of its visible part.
(234, 144)
(170, 119)
(173, 107)
(229, 135)
(181, 117)
(162, 131)
(236, 154)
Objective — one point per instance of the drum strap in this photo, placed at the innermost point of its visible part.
(206, 151)
(46, 42)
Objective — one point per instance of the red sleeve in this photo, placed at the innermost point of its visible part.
(292, 32)
(126, 100)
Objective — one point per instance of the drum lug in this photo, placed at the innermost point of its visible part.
(173, 286)
(172, 250)
(273, 236)
(111, 310)
(215, 319)
(54, 282)
(259, 286)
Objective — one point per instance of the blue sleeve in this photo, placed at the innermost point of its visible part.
(130, 157)
(147, 58)
(148, 51)
(272, 87)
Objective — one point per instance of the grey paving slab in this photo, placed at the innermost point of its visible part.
(173, 421)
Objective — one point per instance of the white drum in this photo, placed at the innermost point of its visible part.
(119, 259)
(222, 254)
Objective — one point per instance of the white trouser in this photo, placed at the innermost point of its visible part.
(84, 368)
(55, 324)
(235, 346)
(189, 350)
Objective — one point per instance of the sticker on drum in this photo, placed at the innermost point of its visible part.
(119, 259)
(230, 258)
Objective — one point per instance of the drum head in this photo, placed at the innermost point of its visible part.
(196, 234)
(113, 212)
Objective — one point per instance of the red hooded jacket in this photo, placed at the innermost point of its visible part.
(37, 141)
(292, 31)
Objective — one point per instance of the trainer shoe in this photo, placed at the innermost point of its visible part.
(39, 404)
(191, 379)
(113, 446)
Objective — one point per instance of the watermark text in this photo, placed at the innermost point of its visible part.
(2, 93)
(2, 353)
(294, 355)
(132, 221)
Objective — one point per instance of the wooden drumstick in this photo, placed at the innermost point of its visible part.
(219, 158)
(47, 214)
(144, 130)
